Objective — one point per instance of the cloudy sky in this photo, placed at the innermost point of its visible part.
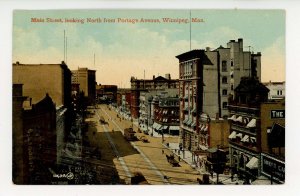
(123, 50)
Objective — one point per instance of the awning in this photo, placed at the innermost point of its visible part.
(144, 128)
(189, 121)
(193, 124)
(252, 123)
(253, 163)
(232, 135)
(185, 120)
(239, 135)
(233, 117)
(203, 147)
(155, 125)
(194, 110)
(201, 126)
(245, 138)
(239, 119)
(253, 139)
(174, 128)
(164, 127)
(160, 127)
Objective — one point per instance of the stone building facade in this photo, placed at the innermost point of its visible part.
(207, 78)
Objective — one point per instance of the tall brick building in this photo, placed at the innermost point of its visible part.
(245, 142)
(140, 85)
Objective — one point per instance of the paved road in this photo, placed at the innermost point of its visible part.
(147, 158)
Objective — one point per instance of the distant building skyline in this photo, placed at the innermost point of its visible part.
(120, 50)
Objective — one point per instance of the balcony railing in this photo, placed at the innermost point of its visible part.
(249, 146)
(243, 109)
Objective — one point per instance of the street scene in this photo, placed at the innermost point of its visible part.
(145, 155)
(136, 97)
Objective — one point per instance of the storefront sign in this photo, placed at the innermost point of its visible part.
(277, 114)
(273, 168)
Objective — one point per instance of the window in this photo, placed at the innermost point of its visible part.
(279, 92)
(232, 87)
(224, 105)
(224, 92)
(224, 80)
(231, 63)
(224, 65)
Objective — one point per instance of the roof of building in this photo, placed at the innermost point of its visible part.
(250, 84)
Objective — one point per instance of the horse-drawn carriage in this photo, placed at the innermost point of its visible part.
(172, 161)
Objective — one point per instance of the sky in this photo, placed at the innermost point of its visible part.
(125, 49)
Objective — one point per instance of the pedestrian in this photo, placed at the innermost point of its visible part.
(162, 151)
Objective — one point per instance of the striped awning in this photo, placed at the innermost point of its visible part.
(155, 125)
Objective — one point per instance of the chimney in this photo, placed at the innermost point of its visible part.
(240, 40)
(153, 77)
(168, 76)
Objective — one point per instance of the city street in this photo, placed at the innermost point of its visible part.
(128, 158)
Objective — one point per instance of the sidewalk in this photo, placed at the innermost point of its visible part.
(150, 131)
(186, 156)
(225, 179)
